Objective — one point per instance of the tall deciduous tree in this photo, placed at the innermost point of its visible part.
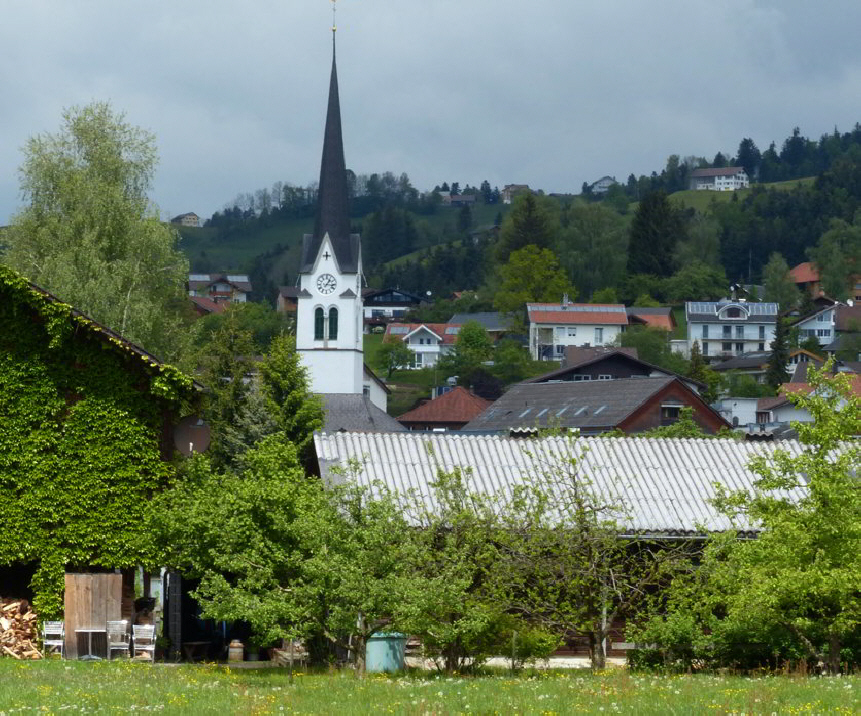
(593, 247)
(90, 234)
(779, 286)
(803, 574)
(837, 255)
(531, 274)
(655, 231)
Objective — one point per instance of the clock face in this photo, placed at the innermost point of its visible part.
(326, 283)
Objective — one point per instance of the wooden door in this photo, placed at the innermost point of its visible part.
(91, 600)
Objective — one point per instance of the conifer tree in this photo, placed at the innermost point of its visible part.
(776, 374)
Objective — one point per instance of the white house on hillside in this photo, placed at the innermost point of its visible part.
(553, 326)
(728, 328)
(724, 179)
(427, 341)
(220, 287)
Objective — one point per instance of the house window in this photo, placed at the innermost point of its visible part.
(762, 346)
(319, 321)
(605, 377)
(823, 332)
(333, 324)
(572, 331)
(761, 334)
(418, 360)
(763, 417)
(727, 331)
(579, 378)
(726, 347)
(822, 317)
(705, 348)
(670, 414)
(739, 347)
(705, 331)
(733, 313)
(739, 331)
(599, 336)
(560, 350)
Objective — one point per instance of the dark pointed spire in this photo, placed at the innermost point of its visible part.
(333, 210)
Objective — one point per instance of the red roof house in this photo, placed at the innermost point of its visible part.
(451, 411)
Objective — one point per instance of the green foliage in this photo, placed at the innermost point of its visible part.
(472, 348)
(776, 374)
(260, 319)
(90, 234)
(605, 295)
(699, 371)
(510, 361)
(653, 346)
(644, 300)
(532, 274)
(593, 246)
(741, 385)
(532, 221)
(696, 281)
(837, 256)
(458, 609)
(779, 286)
(794, 590)
(392, 355)
(684, 427)
(82, 417)
(656, 230)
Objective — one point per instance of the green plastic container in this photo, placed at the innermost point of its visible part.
(385, 652)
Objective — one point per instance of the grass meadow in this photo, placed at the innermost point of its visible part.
(56, 687)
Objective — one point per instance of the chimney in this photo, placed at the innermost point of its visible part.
(565, 300)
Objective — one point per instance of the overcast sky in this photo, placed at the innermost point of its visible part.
(546, 92)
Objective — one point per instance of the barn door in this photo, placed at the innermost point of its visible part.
(91, 601)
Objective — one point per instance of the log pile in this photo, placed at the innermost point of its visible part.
(19, 630)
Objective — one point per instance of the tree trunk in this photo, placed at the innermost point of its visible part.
(834, 654)
(596, 650)
(361, 644)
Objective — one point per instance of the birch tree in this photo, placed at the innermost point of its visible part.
(89, 233)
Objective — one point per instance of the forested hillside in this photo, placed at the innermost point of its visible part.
(630, 243)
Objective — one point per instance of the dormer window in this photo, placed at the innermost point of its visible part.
(733, 313)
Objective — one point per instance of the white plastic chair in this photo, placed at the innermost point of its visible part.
(143, 639)
(54, 637)
(118, 637)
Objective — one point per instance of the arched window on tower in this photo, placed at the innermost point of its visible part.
(333, 324)
(318, 324)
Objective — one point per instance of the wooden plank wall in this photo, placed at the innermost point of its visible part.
(91, 600)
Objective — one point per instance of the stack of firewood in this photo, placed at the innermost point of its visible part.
(18, 630)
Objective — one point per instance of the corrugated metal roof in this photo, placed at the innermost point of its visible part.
(665, 484)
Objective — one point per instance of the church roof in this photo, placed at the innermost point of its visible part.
(333, 201)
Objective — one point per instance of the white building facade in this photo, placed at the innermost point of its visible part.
(554, 326)
(729, 328)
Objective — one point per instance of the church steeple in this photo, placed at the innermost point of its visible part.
(333, 210)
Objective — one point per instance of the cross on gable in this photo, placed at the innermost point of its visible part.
(326, 255)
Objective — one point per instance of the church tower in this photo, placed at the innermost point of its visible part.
(329, 311)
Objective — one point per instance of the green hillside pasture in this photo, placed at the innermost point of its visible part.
(702, 200)
(237, 253)
(199, 690)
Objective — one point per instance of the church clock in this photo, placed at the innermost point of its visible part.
(326, 283)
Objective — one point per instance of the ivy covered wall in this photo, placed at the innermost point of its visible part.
(83, 421)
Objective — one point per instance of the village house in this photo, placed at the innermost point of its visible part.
(220, 287)
(450, 411)
(382, 306)
(755, 363)
(806, 278)
(554, 326)
(582, 364)
(495, 323)
(427, 341)
(719, 179)
(729, 328)
(189, 219)
(510, 191)
(603, 184)
(631, 405)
